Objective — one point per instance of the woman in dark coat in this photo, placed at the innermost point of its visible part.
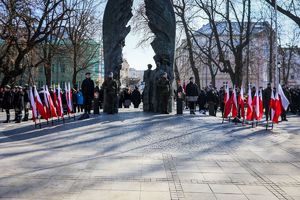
(136, 97)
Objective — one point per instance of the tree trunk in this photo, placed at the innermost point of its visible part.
(191, 53)
(48, 73)
(238, 74)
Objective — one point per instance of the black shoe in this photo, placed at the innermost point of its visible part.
(18, 122)
(6, 122)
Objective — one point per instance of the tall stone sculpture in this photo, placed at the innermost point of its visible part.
(116, 17)
(162, 23)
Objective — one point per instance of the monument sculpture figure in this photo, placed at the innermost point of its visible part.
(161, 21)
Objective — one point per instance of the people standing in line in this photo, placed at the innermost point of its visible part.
(127, 97)
(96, 100)
(88, 94)
(163, 88)
(267, 93)
(7, 102)
(136, 97)
(26, 103)
(79, 100)
(192, 93)
(19, 103)
(110, 87)
(202, 101)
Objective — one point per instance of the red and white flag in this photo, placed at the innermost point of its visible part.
(227, 102)
(261, 106)
(68, 94)
(60, 110)
(50, 102)
(55, 98)
(249, 116)
(241, 103)
(255, 104)
(234, 101)
(33, 106)
(284, 101)
(39, 105)
(46, 103)
(275, 107)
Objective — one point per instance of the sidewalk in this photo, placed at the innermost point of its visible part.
(139, 156)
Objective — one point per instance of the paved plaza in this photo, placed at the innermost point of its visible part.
(139, 156)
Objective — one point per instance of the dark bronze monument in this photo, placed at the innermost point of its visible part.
(162, 23)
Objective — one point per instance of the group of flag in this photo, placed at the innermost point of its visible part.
(255, 107)
(51, 107)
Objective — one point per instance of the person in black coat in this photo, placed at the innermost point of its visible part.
(26, 103)
(7, 102)
(88, 93)
(1, 97)
(19, 104)
(202, 101)
(192, 94)
(136, 97)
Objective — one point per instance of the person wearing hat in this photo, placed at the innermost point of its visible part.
(267, 93)
(19, 104)
(7, 102)
(163, 88)
(110, 88)
(192, 93)
(88, 94)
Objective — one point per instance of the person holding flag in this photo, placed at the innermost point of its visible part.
(284, 97)
(241, 103)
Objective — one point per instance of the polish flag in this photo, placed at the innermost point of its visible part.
(234, 104)
(50, 102)
(275, 106)
(33, 106)
(242, 103)
(48, 112)
(39, 105)
(249, 116)
(284, 101)
(228, 102)
(261, 107)
(68, 93)
(60, 110)
(255, 104)
(55, 98)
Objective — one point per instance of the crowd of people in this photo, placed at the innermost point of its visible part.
(211, 99)
(90, 97)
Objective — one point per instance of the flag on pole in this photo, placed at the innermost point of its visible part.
(284, 101)
(33, 106)
(241, 103)
(46, 103)
(261, 107)
(60, 110)
(255, 104)
(227, 102)
(249, 116)
(55, 98)
(275, 106)
(234, 103)
(51, 104)
(39, 104)
(70, 105)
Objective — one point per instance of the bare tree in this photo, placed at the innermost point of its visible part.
(231, 33)
(289, 8)
(81, 28)
(23, 26)
(185, 14)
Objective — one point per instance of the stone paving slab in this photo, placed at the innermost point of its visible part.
(141, 156)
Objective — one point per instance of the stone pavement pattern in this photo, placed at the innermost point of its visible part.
(138, 156)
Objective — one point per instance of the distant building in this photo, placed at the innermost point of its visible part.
(259, 52)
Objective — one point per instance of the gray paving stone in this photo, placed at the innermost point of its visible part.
(134, 155)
